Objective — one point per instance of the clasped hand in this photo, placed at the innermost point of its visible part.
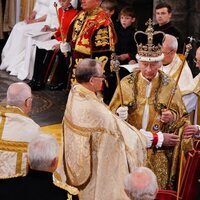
(65, 47)
(166, 116)
(122, 111)
(170, 139)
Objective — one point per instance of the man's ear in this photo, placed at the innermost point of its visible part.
(28, 102)
(54, 163)
(91, 81)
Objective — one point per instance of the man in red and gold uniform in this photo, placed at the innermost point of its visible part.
(92, 36)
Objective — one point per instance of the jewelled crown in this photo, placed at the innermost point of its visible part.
(149, 44)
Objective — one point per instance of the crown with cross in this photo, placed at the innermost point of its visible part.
(149, 44)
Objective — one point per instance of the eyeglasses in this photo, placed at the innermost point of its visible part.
(196, 61)
(102, 77)
(167, 53)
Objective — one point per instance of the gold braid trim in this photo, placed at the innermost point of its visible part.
(14, 176)
(19, 147)
(8, 109)
(3, 120)
(16, 110)
(83, 131)
(72, 190)
(87, 131)
(19, 163)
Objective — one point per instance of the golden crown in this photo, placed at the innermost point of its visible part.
(149, 43)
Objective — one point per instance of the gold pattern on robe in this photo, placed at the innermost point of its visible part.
(102, 147)
(102, 37)
(163, 162)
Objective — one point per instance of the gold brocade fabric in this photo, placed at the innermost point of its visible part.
(99, 149)
(162, 161)
(16, 130)
(197, 92)
(91, 35)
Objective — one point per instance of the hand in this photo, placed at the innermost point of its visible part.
(166, 116)
(56, 46)
(45, 28)
(170, 139)
(122, 112)
(132, 62)
(123, 57)
(189, 131)
(65, 47)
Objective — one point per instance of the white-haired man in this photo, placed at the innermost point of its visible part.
(172, 64)
(141, 184)
(16, 130)
(43, 160)
(146, 93)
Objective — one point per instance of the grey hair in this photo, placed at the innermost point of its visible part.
(141, 184)
(85, 69)
(42, 150)
(173, 44)
(17, 93)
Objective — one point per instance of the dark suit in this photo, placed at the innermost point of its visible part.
(39, 186)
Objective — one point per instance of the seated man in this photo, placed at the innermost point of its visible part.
(141, 184)
(43, 160)
(48, 53)
(13, 51)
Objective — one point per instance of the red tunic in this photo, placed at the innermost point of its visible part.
(65, 18)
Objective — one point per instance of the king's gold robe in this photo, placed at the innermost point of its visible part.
(163, 161)
(99, 149)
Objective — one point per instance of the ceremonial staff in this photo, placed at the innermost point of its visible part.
(60, 26)
(158, 125)
(188, 48)
(115, 65)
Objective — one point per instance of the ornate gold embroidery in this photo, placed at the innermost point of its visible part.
(163, 80)
(19, 148)
(103, 60)
(82, 130)
(19, 162)
(2, 123)
(72, 190)
(102, 37)
(13, 146)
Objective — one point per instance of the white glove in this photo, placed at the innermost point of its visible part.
(65, 47)
(149, 137)
(122, 112)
